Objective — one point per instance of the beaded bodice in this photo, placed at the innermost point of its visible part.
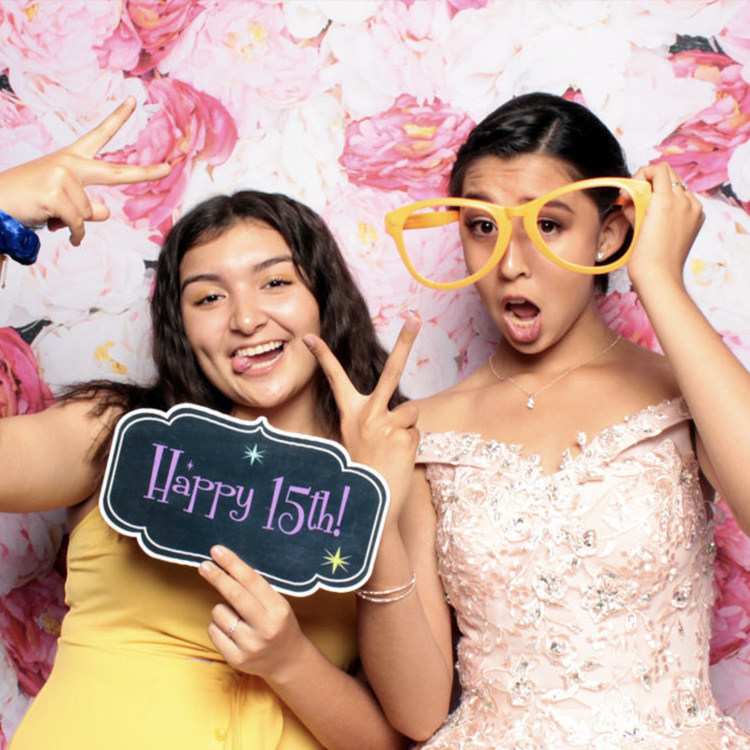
(583, 597)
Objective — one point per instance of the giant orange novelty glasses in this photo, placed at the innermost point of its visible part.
(434, 255)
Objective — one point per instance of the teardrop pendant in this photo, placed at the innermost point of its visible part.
(530, 404)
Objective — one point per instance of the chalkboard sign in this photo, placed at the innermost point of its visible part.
(293, 506)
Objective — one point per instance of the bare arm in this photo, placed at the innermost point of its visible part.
(405, 644)
(256, 632)
(714, 383)
(45, 458)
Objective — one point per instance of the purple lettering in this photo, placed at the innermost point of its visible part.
(278, 482)
(152, 488)
(299, 511)
(200, 484)
(234, 514)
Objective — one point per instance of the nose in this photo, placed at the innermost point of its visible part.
(515, 260)
(247, 315)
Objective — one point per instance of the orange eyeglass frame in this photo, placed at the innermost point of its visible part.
(405, 218)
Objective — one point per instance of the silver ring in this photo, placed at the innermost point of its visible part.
(231, 630)
(681, 183)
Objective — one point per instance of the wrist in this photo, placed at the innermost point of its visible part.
(295, 665)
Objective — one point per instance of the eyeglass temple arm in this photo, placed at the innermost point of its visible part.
(432, 219)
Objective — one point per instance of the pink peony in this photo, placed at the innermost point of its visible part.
(624, 314)
(30, 619)
(730, 621)
(410, 147)
(700, 148)
(188, 125)
(731, 611)
(730, 680)
(730, 539)
(22, 391)
(147, 32)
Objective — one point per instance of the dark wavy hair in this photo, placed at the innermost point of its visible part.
(345, 323)
(548, 125)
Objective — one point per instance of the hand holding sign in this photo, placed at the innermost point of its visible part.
(385, 440)
(256, 630)
(50, 190)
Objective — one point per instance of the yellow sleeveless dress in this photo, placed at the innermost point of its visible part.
(136, 670)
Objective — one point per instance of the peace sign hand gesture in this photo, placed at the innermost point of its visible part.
(385, 440)
(50, 190)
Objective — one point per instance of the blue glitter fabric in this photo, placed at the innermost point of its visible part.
(17, 241)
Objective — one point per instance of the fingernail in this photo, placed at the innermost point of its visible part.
(205, 567)
(309, 342)
(218, 551)
(413, 322)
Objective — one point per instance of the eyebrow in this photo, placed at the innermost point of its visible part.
(557, 203)
(257, 268)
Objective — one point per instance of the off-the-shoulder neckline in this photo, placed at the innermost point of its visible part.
(676, 404)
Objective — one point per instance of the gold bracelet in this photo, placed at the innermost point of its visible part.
(386, 596)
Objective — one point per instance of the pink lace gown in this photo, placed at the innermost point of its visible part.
(583, 597)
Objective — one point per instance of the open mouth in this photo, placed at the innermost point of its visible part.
(523, 320)
(257, 357)
(523, 310)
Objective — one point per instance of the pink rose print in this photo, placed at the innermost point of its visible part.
(624, 314)
(30, 618)
(22, 391)
(731, 612)
(410, 147)
(700, 148)
(188, 125)
(147, 32)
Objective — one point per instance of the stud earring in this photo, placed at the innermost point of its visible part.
(600, 256)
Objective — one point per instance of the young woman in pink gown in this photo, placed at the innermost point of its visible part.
(559, 503)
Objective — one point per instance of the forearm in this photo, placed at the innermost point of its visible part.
(338, 709)
(407, 658)
(714, 383)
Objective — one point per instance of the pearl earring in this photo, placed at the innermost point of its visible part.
(600, 256)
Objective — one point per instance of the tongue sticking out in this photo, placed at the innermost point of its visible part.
(244, 362)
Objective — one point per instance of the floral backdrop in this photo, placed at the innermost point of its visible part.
(353, 107)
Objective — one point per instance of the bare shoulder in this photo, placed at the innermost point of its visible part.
(439, 413)
(646, 374)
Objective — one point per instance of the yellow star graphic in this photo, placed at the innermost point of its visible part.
(336, 561)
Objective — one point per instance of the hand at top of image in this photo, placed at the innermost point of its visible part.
(50, 190)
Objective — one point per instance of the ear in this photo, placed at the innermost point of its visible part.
(612, 235)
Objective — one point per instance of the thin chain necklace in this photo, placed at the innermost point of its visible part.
(531, 403)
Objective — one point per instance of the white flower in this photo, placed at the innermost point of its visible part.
(298, 158)
(305, 19)
(653, 25)
(105, 272)
(239, 54)
(433, 362)
(114, 347)
(717, 271)
(398, 51)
